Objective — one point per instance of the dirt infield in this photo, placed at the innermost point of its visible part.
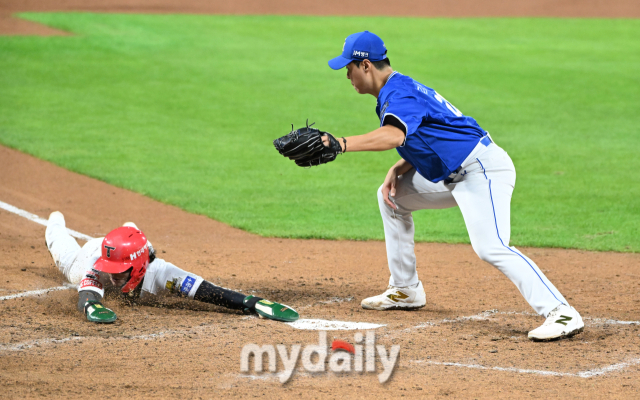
(469, 341)
(474, 316)
(410, 8)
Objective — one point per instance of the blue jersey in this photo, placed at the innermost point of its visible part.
(438, 137)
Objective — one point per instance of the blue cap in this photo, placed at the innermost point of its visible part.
(360, 46)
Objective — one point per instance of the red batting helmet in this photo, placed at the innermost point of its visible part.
(125, 248)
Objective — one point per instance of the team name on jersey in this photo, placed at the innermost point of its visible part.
(358, 53)
(422, 89)
(140, 252)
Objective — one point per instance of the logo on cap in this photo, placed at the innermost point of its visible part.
(358, 53)
(109, 248)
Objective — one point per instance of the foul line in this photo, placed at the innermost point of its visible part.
(152, 336)
(324, 325)
(590, 373)
(35, 292)
(582, 374)
(600, 321)
(485, 316)
(41, 221)
(347, 325)
(40, 342)
(304, 324)
(481, 316)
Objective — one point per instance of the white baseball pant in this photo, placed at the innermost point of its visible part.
(71, 259)
(482, 189)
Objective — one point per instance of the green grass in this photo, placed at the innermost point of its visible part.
(184, 109)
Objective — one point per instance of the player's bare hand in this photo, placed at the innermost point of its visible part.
(326, 141)
(389, 188)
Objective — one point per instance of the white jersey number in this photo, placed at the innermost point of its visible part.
(446, 103)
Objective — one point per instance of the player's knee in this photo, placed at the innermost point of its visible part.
(489, 254)
(384, 207)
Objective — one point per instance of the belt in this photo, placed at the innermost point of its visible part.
(486, 141)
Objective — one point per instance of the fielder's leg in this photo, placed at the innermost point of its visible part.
(413, 192)
(484, 198)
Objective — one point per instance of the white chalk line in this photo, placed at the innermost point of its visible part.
(152, 336)
(337, 300)
(314, 324)
(269, 376)
(310, 324)
(149, 336)
(332, 300)
(36, 292)
(41, 221)
(602, 321)
(486, 315)
(325, 325)
(302, 324)
(37, 343)
(582, 374)
(481, 316)
(49, 341)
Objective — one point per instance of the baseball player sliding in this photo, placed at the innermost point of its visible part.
(447, 160)
(125, 261)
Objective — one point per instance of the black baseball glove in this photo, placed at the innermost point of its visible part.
(305, 147)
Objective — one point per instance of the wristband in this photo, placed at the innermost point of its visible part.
(345, 144)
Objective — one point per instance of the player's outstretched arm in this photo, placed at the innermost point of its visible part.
(386, 137)
(89, 303)
(90, 293)
(210, 293)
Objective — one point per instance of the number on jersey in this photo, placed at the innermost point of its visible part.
(450, 106)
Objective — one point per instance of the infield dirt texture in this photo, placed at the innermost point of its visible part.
(468, 342)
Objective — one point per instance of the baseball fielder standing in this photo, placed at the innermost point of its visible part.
(447, 160)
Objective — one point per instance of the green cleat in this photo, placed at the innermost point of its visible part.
(276, 311)
(96, 312)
